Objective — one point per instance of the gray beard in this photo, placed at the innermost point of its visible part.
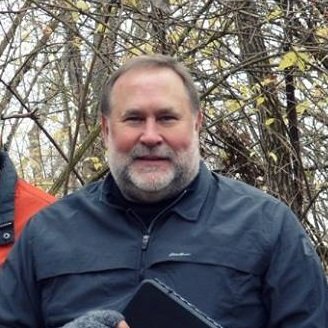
(131, 192)
(186, 167)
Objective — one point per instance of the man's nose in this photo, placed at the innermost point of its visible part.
(151, 134)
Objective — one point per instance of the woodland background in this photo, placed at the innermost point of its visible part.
(260, 67)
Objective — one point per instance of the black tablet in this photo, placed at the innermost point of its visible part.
(157, 306)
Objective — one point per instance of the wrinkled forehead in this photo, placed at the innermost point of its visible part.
(150, 86)
(149, 77)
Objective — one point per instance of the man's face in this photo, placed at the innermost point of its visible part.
(151, 135)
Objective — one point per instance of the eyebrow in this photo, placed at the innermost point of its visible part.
(134, 111)
(131, 112)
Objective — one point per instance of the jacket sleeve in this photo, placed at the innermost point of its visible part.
(295, 291)
(19, 291)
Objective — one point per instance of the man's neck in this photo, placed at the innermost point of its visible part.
(147, 211)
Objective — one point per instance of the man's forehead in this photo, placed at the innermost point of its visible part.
(151, 80)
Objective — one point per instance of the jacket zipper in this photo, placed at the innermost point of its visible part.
(147, 234)
(145, 240)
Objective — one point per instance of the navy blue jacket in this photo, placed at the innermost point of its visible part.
(238, 254)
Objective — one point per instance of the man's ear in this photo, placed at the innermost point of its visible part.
(105, 128)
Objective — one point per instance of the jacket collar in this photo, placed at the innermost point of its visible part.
(189, 202)
(192, 202)
(8, 180)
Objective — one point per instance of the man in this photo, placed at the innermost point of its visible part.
(18, 202)
(236, 253)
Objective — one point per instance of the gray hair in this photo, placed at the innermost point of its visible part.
(151, 61)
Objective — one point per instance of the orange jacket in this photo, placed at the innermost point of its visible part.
(19, 201)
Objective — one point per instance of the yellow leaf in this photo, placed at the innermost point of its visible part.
(273, 156)
(252, 154)
(211, 112)
(302, 59)
(175, 34)
(274, 14)
(304, 56)
(219, 63)
(223, 155)
(101, 28)
(97, 166)
(317, 92)
(207, 52)
(131, 3)
(96, 163)
(142, 49)
(294, 58)
(75, 15)
(302, 107)
(301, 65)
(245, 91)
(82, 5)
(269, 121)
(285, 118)
(147, 48)
(260, 100)
(322, 32)
(288, 59)
(233, 105)
(176, 2)
(76, 42)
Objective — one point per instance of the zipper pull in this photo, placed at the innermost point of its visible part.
(145, 240)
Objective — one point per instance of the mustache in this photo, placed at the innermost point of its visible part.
(163, 151)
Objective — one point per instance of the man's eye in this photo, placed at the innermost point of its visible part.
(167, 118)
(133, 119)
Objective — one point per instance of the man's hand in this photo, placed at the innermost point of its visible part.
(123, 324)
(99, 319)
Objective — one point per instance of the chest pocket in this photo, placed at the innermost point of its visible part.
(89, 280)
(224, 283)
